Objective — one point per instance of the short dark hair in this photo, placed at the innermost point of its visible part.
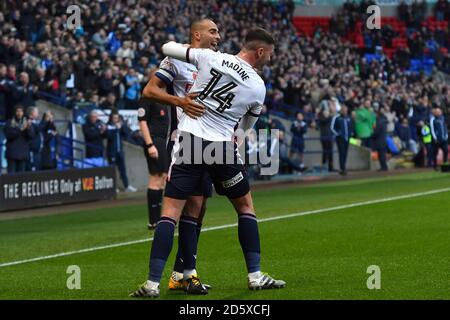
(19, 106)
(197, 22)
(257, 35)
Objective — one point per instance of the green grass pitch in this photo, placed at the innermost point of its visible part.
(320, 256)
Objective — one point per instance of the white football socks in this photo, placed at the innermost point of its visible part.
(255, 275)
(188, 273)
(152, 285)
(178, 276)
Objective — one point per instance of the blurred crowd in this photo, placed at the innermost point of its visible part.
(106, 61)
(32, 143)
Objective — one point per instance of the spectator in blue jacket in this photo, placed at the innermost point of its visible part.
(116, 131)
(298, 129)
(439, 131)
(132, 89)
(19, 132)
(342, 128)
(94, 131)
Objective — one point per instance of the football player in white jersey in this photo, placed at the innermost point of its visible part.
(170, 85)
(232, 92)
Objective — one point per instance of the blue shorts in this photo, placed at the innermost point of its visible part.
(297, 146)
(191, 170)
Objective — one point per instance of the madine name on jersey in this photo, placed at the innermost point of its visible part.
(240, 71)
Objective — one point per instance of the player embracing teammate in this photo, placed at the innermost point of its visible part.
(231, 93)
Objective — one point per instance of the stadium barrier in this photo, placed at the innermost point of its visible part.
(53, 187)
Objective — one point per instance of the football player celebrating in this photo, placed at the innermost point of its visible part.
(232, 93)
(170, 86)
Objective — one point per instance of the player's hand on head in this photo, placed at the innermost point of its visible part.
(190, 107)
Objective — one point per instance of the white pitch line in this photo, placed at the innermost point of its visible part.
(226, 226)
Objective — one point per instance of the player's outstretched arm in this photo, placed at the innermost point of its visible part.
(176, 50)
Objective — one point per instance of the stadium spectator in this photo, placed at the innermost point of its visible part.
(132, 89)
(391, 119)
(439, 131)
(18, 132)
(427, 140)
(364, 123)
(403, 133)
(286, 162)
(106, 83)
(298, 129)
(326, 138)
(50, 142)
(24, 91)
(309, 116)
(264, 121)
(342, 128)
(116, 132)
(34, 160)
(379, 139)
(4, 88)
(442, 10)
(100, 39)
(109, 102)
(94, 131)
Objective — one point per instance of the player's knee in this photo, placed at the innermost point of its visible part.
(193, 207)
(157, 181)
(163, 181)
(243, 204)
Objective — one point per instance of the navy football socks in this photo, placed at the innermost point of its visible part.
(161, 247)
(249, 239)
(179, 262)
(187, 240)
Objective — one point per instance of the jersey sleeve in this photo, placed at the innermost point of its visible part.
(199, 57)
(168, 70)
(256, 107)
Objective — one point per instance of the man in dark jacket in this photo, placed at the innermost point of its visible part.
(342, 128)
(116, 131)
(326, 137)
(439, 131)
(25, 92)
(50, 142)
(19, 132)
(94, 131)
(34, 160)
(379, 139)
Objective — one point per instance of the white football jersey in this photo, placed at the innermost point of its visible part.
(228, 87)
(178, 74)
